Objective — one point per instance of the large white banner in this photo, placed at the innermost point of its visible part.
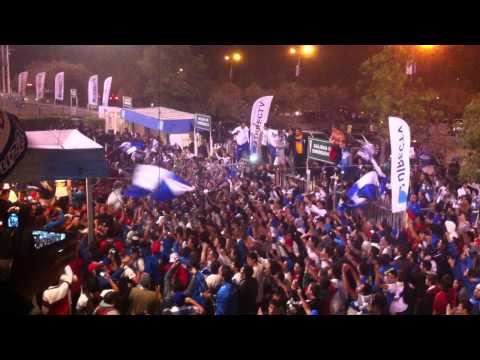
(22, 83)
(259, 118)
(59, 86)
(400, 166)
(93, 90)
(40, 85)
(107, 84)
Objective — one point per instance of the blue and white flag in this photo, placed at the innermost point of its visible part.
(161, 184)
(367, 188)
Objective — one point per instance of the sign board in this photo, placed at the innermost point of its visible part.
(319, 150)
(73, 92)
(127, 102)
(203, 122)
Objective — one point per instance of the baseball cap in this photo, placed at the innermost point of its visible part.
(174, 257)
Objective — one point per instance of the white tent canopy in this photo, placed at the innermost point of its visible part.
(59, 154)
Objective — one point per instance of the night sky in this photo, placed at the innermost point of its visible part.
(270, 64)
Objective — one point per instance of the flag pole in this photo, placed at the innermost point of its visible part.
(88, 187)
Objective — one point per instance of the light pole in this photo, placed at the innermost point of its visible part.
(302, 51)
(234, 58)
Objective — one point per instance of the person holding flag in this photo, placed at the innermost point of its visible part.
(242, 134)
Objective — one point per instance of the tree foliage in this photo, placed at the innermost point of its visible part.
(175, 77)
(386, 90)
(227, 103)
(471, 141)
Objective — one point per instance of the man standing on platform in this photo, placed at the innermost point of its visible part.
(242, 135)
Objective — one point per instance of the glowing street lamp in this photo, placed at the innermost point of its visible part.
(427, 47)
(233, 58)
(305, 51)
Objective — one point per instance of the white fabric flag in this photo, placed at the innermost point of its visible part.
(107, 84)
(40, 85)
(22, 83)
(59, 86)
(260, 110)
(93, 90)
(400, 165)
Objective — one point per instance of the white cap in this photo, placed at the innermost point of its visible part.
(174, 257)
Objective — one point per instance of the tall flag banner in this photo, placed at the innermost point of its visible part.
(93, 90)
(107, 84)
(411, 68)
(59, 86)
(259, 118)
(400, 165)
(22, 83)
(40, 85)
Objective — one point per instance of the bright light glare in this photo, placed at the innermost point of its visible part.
(293, 51)
(308, 50)
(427, 47)
(227, 58)
(253, 158)
(237, 57)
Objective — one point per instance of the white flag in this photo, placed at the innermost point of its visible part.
(93, 90)
(59, 86)
(107, 84)
(22, 83)
(40, 85)
(400, 165)
(259, 118)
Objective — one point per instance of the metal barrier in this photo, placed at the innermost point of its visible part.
(29, 109)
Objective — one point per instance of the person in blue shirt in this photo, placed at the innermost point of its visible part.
(152, 263)
(197, 286)
(414, 205)
(227, 296)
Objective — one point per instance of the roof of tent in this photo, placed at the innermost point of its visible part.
(59, 154)
(161, 118)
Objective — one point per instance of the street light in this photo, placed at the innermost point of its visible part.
(417, 52)
(427, 47)
(233, 58)
(305, 51)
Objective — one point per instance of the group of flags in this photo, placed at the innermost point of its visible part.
(60, 87)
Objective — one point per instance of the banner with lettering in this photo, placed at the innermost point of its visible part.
(400, 165)
(22, 83)
(40, 85)
(59, 86)
(107, 84)
(259, 118)
(93, 90)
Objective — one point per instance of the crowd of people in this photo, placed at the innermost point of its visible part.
(241, 244)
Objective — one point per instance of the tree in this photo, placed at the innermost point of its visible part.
(386, 90)
(175, 77)
(227, 103)
(471, 141)
(76, 77)
(253, 92)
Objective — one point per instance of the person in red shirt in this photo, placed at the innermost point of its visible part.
(180, 274)
(446, 296)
